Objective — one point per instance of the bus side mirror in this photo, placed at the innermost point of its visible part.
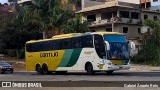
(107, 44)
(133, 46)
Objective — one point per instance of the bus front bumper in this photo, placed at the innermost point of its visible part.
(118, 67)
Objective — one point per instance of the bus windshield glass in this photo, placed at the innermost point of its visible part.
(118, 47)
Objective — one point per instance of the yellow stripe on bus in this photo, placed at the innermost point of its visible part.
(117, 62)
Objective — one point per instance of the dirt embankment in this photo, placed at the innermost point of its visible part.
(18, 64)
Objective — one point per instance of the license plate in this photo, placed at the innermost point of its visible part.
(120, 67)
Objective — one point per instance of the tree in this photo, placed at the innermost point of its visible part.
(15, 31)
(48, 13)
(76, 26)
(33, 19)
(150, 52)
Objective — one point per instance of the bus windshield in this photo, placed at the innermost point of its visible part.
(118, 47)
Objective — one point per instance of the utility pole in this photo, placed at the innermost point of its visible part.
(112, 20)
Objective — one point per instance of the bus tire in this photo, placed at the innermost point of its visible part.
(1, 71)
(89, 69)
(38, 69)
(45, 69)
(109, 72)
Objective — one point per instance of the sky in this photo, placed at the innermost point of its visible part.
(3, 1)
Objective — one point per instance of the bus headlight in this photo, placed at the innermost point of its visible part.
(128, 62)
(109, 63)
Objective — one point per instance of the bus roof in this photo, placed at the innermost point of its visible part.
(103, 33)
(62, 36)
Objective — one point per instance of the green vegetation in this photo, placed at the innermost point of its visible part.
(75, 26)
(150, 52)
(30, 21)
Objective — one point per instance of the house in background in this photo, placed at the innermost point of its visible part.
(89, 3)
(145, 4)
(155, 5)
(124, 16)
(149, 12)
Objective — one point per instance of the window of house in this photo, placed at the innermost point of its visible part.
(143, 5)
(155, 17)
(148, 30)
(139, 30)
(91, 18)
(148, 4)
(109, 29)
(125, 29)
(134, 15)
(108, 15)
(124, 14)
(155, 0)
(145, 17)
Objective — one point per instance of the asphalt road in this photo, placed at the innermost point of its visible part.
(74, 77)
(82, 76)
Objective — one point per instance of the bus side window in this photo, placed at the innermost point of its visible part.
(61, 44)
(35, 47)
(29, 47)
(76, 42)
(67, 43)
(87, 41)
(47, 46)
(99, 46)
(56, 45)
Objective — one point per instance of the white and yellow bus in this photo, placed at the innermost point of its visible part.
(91, 52)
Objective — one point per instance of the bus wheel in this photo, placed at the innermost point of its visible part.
(109, 72)
(38, 69)
(45, 69)
(1, 71)
(89, 69)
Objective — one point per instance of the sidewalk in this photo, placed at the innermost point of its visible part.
(143, 68)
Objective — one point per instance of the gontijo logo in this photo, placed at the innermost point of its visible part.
(44, 55)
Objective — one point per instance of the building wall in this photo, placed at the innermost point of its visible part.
(155, 5)
(88, 3)
(22, 1)
(150, 15)
(132, 30)
(144, 1)
(145, 28)
(131, 1)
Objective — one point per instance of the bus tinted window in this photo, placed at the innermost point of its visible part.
(56, 45)
(69, 43)
(87, 41)
(65, 44)
(76, 42)
(39, 46)
(99, 46)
